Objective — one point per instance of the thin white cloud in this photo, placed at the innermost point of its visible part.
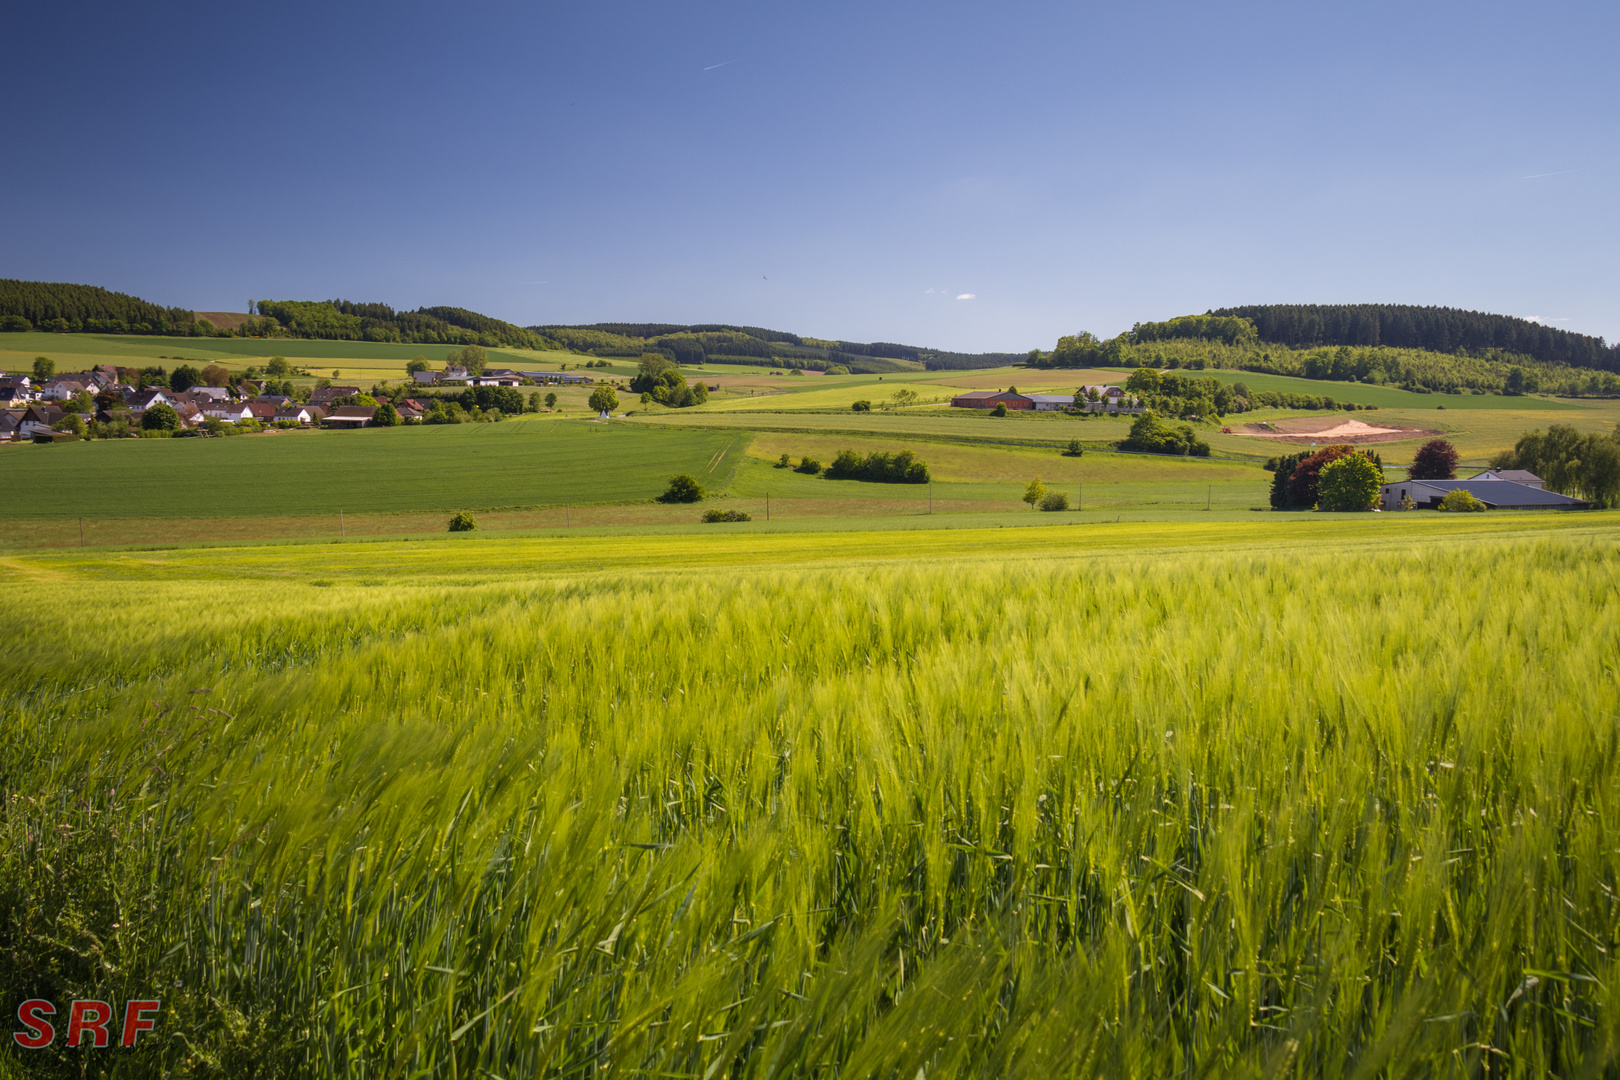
(1539, 175)
(723, 63)
(967, 296)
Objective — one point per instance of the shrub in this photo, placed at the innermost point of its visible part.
(1074, 449)
(861, 406)
(682, 489)
(784, 462)
(1349, 483)
(386, 415)
(1055, 500)
(836, 369)
(1460, 499)
(1000, 409)
(726, 515)
(463, 522)
(160, 417)
(809, 466)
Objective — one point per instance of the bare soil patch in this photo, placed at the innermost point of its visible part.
(228, 320)
(1332, 429)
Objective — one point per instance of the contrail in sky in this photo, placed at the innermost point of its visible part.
(1539, 175)
(711, 67)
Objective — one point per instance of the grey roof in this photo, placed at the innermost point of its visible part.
(1518, 476)
(1067, 398)
(1500, 493)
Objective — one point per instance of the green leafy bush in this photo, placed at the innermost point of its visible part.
(1350, 483)
(1461, 500)
(1055, 500)
(682, 489)
(809, 466)
(861, 406)
(726, 515)
(1154, 436)
(463, 522)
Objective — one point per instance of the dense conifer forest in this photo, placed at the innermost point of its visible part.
(1437, 329)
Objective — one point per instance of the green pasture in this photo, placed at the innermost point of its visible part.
(533, 461)
(1312, 795)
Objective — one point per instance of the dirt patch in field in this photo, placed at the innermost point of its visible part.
(1332, 429)
(229, 320)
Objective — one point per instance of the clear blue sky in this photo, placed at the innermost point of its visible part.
(844, 170)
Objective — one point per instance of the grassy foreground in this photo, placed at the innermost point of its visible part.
(1330, 799)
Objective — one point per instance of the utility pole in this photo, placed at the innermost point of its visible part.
(342, 529)
(568, 515)
(81, 532)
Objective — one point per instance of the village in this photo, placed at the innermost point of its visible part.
(62, 408)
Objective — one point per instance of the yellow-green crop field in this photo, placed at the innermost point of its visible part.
(1308, 795)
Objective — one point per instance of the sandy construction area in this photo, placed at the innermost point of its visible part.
(1331, 430)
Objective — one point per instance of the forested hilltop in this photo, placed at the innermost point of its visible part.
(1218, 340)
(720, 343)
(1437, 329)
(87, 309)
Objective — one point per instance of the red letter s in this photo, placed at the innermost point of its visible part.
(134, 1022)
(40, 1033)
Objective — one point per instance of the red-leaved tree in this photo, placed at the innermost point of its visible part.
(1434, 460)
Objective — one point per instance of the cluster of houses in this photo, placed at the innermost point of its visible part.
(30, 411)
(1498, 489)
(459, 376)
(1110, 399)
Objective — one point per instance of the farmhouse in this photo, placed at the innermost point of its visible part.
(14, 390)
(1498, 494)
(1050, 402)
(10, 421)
(1518, 476)
(989, 399)
(497, 377)
(351, 416)
(328, 394)
(37, 418)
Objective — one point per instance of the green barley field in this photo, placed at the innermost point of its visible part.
(1298, 797)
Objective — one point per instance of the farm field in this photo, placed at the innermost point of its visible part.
(526, 462)
(1298, 796)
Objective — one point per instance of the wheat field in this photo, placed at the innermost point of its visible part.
(1284, 812)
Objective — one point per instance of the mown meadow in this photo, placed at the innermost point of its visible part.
(1157, 801)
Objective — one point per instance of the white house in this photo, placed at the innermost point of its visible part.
(1518, 476)
(1051, 402)
(224, 410)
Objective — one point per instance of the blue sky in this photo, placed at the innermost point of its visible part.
(847, 170)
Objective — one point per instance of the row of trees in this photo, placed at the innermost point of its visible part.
(879, 466)
(1151, 435)
(1339, 477)
(1439, 329)
(1581, 465)
(658, 379)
